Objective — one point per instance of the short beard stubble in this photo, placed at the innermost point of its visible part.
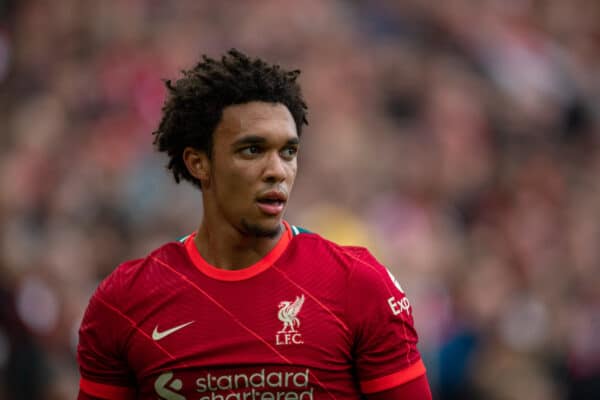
(259, 232)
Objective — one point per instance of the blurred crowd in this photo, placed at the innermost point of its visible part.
(459, 140)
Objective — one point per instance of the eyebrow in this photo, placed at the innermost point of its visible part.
(255, 139)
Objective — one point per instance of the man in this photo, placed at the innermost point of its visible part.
(248, 307)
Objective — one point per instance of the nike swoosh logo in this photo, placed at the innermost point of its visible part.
(156, 335)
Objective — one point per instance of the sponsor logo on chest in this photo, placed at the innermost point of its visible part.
(288, 314)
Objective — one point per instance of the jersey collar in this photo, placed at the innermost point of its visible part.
(240, 274)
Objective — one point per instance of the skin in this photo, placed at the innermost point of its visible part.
(254, 152)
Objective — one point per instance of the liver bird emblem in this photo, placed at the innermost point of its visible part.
(288, 314)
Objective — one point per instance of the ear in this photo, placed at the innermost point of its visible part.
(198, 164)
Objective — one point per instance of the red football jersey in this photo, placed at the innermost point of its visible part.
(311, 320)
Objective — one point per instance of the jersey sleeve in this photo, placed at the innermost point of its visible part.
(386, 354)
(417, 389)
(100, 353)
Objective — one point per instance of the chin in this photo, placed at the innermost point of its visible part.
(265, 230)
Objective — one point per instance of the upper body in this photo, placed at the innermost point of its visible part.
(246, 307)
(311, 317)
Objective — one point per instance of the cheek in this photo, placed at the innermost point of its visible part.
(232, 194)
(239, 183)
(293, 169)
(246, 175)
(233, 173)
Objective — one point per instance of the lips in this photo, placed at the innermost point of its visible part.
(272, 202)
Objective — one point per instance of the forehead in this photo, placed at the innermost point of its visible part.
(256, 118)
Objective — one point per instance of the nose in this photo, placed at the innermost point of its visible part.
(275, 168)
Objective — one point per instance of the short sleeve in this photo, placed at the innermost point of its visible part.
(385, 348)
(102, 364)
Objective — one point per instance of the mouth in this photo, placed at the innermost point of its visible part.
(272, 203)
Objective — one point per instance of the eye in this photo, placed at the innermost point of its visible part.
(289, 152)
(250, 150)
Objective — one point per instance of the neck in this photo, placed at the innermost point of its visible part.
(225, 246)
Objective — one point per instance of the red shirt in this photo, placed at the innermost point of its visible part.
(312, 319)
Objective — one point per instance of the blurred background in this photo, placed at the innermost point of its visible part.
(459, 140)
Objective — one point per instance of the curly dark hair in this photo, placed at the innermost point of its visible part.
(195, 103)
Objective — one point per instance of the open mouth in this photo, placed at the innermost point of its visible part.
(272, 203)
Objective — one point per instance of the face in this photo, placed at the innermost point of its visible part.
(248, 179)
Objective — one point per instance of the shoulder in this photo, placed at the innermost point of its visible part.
(355, 260)
(125, 279)
(368, 274)
(309, 241)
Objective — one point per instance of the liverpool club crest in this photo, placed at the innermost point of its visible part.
(288, 315)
